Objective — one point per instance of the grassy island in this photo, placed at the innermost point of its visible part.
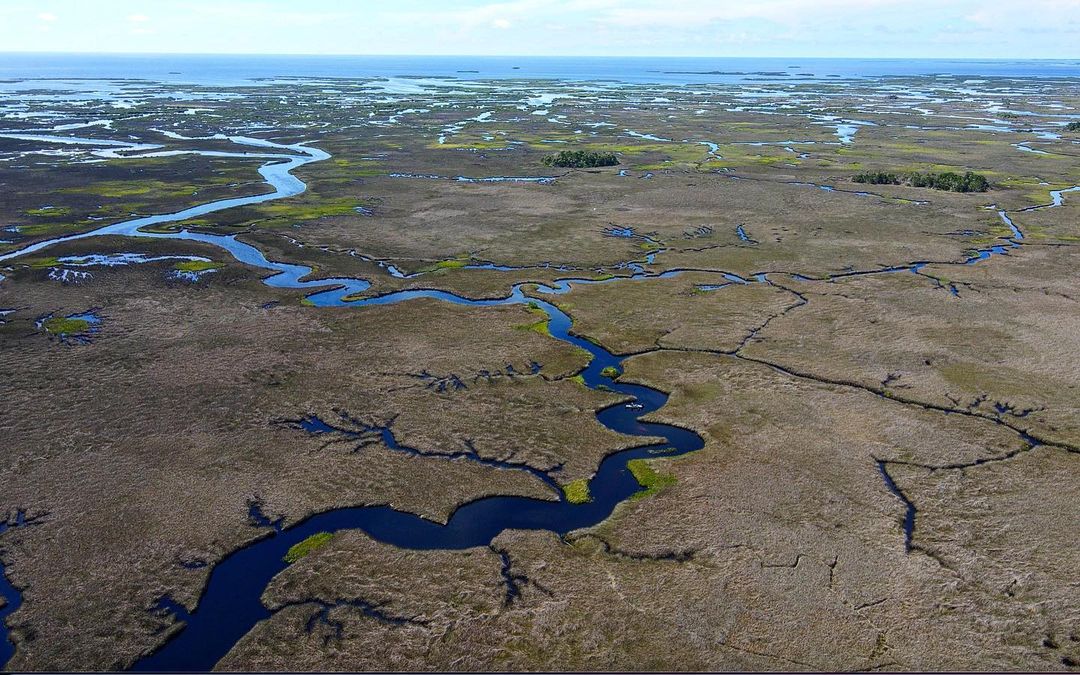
(307, 546)
(577, 492)
(948, 180)
(65, 326)
(196, 266)
(581, 159)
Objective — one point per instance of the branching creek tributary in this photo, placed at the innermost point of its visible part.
(231, 603)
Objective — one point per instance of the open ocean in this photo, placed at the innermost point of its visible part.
(245, 69)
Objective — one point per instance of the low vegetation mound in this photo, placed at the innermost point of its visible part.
(648, 478)
(196, 266)
(581, 159)
(302, 549)
(66, 326)
(948, 180)
(577, 492)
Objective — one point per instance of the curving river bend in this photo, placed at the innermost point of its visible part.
(231, 605)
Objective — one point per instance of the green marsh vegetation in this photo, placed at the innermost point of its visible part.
(451, 264)
(540, 326)
(41, 263)
(196, 266)
(648, 478)
(307, 546)
(64, 326)
(50, 212)
(285, 213)
(577, 492)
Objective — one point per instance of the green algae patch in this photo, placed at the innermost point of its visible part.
(307, 546)
(577, 492)
(197, 266)
(64, 326)
(648, 478)
(610, 371)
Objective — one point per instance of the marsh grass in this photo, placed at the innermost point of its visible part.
(577, 492)
(648, 478)
(307, 546)
(65, 326)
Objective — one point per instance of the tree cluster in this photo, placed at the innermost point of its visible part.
(947, 180)
(581, 159)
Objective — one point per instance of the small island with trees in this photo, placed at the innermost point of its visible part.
(581, 159)
(948, 180)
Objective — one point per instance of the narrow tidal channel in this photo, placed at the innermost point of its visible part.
(231, 604)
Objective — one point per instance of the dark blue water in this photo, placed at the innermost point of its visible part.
(13, 598)
(231, 605)
(244, 69)
(910, 512)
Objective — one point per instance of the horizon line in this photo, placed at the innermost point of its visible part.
(537, 56)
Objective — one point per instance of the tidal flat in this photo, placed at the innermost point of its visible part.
(229, 316)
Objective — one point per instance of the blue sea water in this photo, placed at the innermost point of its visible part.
(238, 70)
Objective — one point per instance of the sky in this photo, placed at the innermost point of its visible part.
(754, 28)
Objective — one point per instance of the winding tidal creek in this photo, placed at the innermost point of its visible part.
(231, 604)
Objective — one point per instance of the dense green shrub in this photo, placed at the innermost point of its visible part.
(877, 178)
(953, 182)
(1072, 126)
(581, 159)
(948, 180)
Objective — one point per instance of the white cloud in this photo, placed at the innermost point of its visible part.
(696, 13)
(639, 27)
(1007, 14)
